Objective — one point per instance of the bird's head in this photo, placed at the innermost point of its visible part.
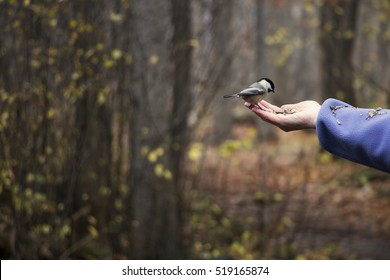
(264, 83)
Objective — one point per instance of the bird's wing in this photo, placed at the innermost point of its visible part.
(231, 95)
(251, 91)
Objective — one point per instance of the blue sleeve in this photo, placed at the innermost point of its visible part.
(357, 134)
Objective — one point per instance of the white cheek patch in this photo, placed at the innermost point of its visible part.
(265, 84)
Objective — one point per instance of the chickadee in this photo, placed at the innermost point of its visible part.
(255, 92)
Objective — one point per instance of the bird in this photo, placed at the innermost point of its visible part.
(255, 92)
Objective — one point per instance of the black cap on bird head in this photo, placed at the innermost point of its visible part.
(272, 85)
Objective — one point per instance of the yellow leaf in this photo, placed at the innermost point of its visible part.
(216, 209)
(16, 23)
(167, 175)
(261, 197)
(288, 222)
(109, 63)
(245, 235)
(118, 204)
(193, 43)
(339, 10)
(101, 98)
(72, 23)
(53, 22)
(104, 191)
(195, 152)
(116, 54)
(48, 150)
(144, 150)
(226, 222)
(152, 157)
(117, 18)
(93, 231)
(99, 46)
(155, 154)
(89, 53)
(51, 61)
(228, 147)
(50, 113)
(75, 76)
(153, 59)
(64, 231)
(30, 178)
(92, 220)
(160, 151)
(4, 119)
(46, 228)
(35, 63)
(159, 170)
(278, 197)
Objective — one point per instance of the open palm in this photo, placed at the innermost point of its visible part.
(302, 115)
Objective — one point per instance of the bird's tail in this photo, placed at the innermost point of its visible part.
(230, 95)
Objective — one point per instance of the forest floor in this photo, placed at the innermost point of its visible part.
(303, 202)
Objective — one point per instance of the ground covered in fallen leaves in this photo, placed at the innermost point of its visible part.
(285, 199)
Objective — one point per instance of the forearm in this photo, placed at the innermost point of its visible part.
(359, 135)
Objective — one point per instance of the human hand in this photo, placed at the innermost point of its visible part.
(302, 115)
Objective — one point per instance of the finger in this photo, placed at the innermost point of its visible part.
(248, 105)
(266, 115)
(289, 106)
(269, 105)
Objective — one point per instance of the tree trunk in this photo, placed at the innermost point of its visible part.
(222, 60)
(154, 207)
(338, 29)
(182, 104)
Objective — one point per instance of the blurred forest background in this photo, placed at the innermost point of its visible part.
(115, 142)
